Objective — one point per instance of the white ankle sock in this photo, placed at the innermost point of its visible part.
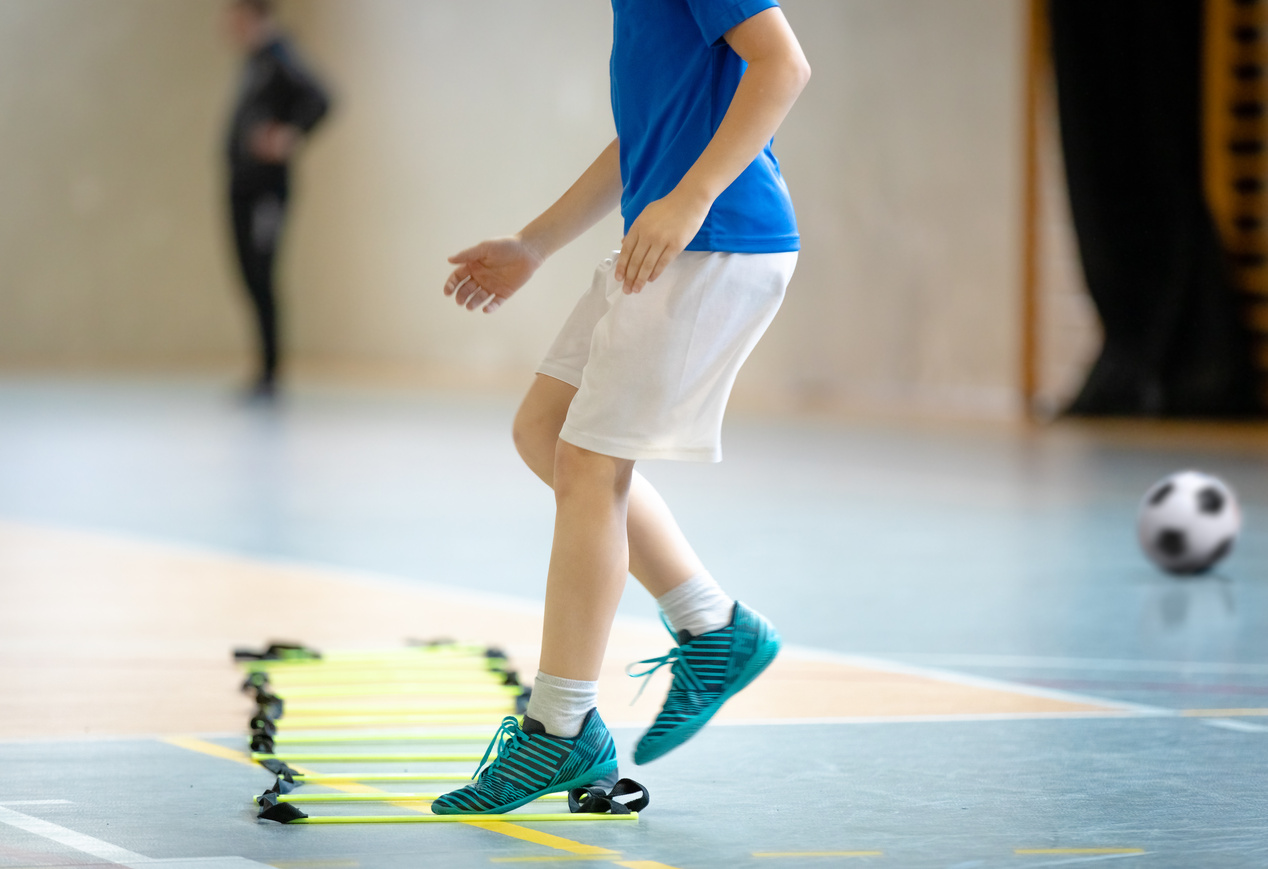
(697, 606)
(561, 705)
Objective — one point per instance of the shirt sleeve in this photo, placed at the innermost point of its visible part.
(306, 100)
(716, 17)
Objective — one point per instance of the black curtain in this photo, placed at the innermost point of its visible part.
(1129, 98)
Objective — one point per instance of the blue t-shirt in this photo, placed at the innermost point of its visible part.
(673, 77)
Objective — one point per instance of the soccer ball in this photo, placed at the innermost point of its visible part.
(1188, 522)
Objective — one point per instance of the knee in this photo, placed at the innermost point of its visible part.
(535, 442)
(582, 472)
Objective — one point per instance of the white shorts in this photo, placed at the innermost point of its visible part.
(654, 369)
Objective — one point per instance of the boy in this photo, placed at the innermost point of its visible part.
(643, 369)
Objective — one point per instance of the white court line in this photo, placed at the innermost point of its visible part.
(34, 802)
(1223, 723)
(1121, 665)
(1093, 859)
(112, 853)
(1233, 724)
(77, 841)
(946, 718)
(987, 682)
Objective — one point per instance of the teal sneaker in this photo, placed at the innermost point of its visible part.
(530, 763)
(708, 670)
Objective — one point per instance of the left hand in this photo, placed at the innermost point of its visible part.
(655, 239)
(490, 272)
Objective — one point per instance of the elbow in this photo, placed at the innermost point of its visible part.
(791, 70)
(787, 73)
(800, 71)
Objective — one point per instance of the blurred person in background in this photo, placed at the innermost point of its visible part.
(278, 104)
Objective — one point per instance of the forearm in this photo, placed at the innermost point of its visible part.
(585, 203)
(774, 79)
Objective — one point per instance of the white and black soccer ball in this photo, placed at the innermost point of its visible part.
(1188, 522)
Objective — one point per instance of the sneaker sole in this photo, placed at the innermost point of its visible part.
(761, 659)
(592, 775)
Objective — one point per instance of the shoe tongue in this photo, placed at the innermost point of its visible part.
(532, 726)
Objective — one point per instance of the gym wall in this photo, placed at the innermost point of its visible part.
(457, 120)
(112, 251)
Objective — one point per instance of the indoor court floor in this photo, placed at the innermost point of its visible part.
(980, 670)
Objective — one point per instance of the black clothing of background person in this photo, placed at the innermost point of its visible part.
(275, 89)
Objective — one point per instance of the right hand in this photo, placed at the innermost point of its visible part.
(490, 272)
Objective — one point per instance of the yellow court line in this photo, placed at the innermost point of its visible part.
(547, 840)
(818, 853)
(425, 817)
(1051, 851)
(642, 864)
(202, 746)
(380, 797)
(551, 858)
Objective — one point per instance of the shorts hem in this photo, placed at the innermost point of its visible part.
(635, 452)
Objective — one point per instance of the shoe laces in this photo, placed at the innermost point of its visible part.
(676, 659)
(508, 736)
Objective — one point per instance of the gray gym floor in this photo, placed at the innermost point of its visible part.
(991, 551)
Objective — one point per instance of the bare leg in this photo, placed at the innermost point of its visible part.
(588, 562)
(659, 555)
